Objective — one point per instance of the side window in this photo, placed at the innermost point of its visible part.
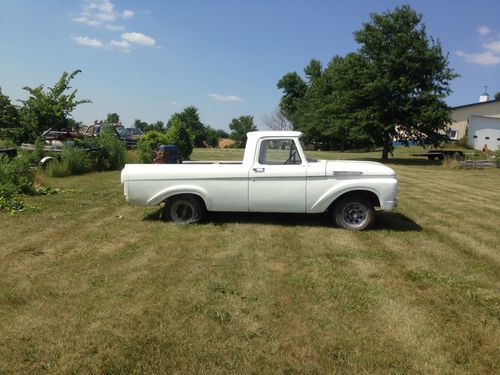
(279, 151)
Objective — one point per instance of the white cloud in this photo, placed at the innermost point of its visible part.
(139, 38)
(492, 46)
(86, 41)
(483, 30)
(127, 13)
(484, 58)
(175, 104)
(121, 45)
(100, 13)
(103, 14)
(87, 21)
(225, 98)
(491, 50)
(115, 27)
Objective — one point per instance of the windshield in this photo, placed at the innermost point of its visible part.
(121, 131)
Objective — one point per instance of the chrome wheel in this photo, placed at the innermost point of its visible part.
(184, 209)
(354, 214)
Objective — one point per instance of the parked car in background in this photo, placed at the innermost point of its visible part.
(118, 130)
(134, 131)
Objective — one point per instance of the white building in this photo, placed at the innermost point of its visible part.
(464, 114)
(484, 132)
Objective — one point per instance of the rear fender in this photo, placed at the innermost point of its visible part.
(179, 189)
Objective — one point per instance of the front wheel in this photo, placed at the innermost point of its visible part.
(184, 209)
(354, 213)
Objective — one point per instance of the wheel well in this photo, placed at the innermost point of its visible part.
(371, 196)
(196, 196)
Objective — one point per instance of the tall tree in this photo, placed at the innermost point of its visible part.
(191, 120)
(409, 77)
(239, 129)
(294, 89)
(327, 111)
(51, 107)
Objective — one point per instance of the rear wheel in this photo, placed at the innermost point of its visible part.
(354, 212)
(184, 209)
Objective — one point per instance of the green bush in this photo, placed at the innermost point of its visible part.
(73, 161)
(16, 177)
(178, 135)
(6, 143)
(463, 142)
(108, 154)
(111, 152)
(148, 144)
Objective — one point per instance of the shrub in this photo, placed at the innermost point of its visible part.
(73, 161)
(16, 177)
(111, 153)
(178, 135)
(149, 143)
(463, 142)
(16, 174)
(6, 143)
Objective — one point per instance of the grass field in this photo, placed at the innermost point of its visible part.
(89, 284)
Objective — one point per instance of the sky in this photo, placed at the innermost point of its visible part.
(149, 59)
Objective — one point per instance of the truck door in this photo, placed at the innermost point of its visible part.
(277, 179)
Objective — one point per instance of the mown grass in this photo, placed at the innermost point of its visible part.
(92, 285)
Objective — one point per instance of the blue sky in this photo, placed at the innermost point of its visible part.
(149, 59)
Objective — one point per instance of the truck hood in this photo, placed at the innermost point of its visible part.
(348, 168)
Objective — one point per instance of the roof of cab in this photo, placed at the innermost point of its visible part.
(274, 133)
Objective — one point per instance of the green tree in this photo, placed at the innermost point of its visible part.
(392, 88)
(158, 125)
(9, 119)
(294, 89)
(191, 120)
(178, 134)
(497, 96)
(239, 129)
(112, 118)
(49, 108)
(407, 80)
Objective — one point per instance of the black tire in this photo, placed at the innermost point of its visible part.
(354, 212)
(184, 209)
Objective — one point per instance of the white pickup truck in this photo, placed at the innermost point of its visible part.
(274, 176)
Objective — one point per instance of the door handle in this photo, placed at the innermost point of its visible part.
(259, 170)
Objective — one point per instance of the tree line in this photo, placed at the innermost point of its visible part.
(51, 108)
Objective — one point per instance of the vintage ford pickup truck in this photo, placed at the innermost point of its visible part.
(274, 176)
